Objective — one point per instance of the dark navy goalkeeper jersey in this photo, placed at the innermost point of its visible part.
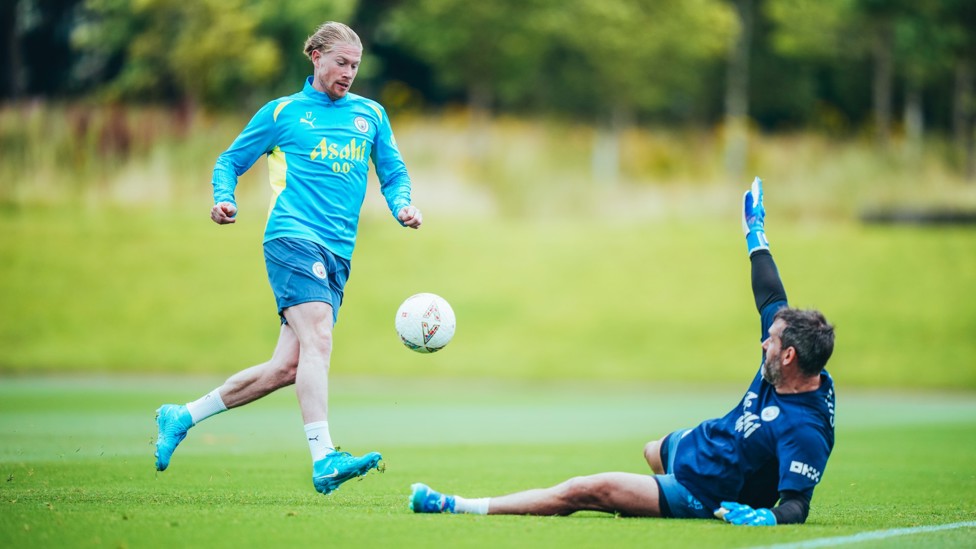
(767, 444)
(318, 159)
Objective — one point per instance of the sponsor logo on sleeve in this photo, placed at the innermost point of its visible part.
(805, 470)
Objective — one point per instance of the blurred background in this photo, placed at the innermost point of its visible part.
(580, 165)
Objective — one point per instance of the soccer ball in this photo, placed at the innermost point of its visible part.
(425, 323)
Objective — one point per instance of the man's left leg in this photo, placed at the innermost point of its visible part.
(628, 494)
(173, 420)
(652, 453)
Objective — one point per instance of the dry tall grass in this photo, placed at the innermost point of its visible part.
(107, 155)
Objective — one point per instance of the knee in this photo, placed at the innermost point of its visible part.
(288, 370)
(321, 342)
(583, 493)
(652, 453)
(285, 363)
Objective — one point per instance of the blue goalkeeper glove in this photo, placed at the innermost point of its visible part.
(754, 217)
(743, 515)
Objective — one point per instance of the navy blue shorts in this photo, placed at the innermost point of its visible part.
(301, 271)
(678, 501)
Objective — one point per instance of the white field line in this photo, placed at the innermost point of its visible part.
(868, 536)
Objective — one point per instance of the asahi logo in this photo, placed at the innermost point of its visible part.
(327, 150)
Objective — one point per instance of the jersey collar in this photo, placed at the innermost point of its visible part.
(315, 94)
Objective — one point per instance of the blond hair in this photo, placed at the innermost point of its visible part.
(328, 35)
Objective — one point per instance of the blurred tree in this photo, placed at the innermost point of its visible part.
(822, 34)
(737, 92)
(607, 60)
(215, 52)
(489, 49)
(289, 24)
(34, 37)
(625, 58)
(902, 38)
(9, 45)
(958, 23)
(925, 53)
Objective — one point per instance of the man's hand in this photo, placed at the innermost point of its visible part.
(410, 216)
(753, 209)
(223, 213)
(754, 218)
(743, 515)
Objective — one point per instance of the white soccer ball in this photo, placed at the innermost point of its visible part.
(425, 323)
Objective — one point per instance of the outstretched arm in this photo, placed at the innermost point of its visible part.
(767, 287)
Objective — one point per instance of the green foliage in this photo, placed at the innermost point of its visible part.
(677, 40)
(76, 463)
(811, 28)
(588, 47)
(589, 59)
(211, 52)
(477, 46)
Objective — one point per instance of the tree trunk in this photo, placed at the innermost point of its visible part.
(605, 160)
(883, 81)
(10, 84)
(963, 113)
(479, 106)
(914, 117)
(737, 94)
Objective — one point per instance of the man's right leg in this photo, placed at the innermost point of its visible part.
(312, 322)
(629, 494)
(173, 421)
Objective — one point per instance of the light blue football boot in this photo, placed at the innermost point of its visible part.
(331, 471)
(754, 218)
(426, 500)
(173, 421)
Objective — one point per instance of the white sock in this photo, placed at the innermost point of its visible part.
(208, 405)
(474, 506)
(319, 439)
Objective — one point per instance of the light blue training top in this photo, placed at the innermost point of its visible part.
(318, 151)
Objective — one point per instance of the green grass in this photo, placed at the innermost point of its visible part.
(159, 291)
(76, 459)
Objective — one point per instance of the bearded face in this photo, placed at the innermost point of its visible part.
(772, 369)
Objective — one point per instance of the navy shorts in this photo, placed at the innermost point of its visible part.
(678, 501)
(301, 271)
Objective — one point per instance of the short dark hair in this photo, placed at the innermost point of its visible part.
(809, 333)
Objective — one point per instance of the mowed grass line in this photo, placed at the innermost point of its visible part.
(75, 454)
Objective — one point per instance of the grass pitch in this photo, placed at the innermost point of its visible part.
(76, 458)
(549, 300)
